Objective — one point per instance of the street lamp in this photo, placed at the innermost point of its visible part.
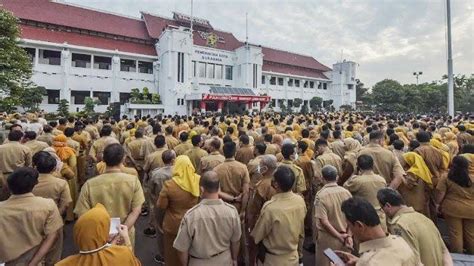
(417, 74)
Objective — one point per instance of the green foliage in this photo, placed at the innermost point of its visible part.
(31, 96)
(155, 98)
(315, 103)
(345, 107)
(361, 92)
(8, 104)
(304, 109)
(135, 95)
(327, 104)
(63, 108)
(89, 105)
(15, 66)
(297, 102)
(144, 97)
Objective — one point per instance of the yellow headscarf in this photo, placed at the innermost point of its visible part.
(444, 150)
(352, 147)
(403, 138)
(418, 167)
(184, 175)
(61, 148)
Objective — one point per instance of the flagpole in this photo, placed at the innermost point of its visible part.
(450, 63)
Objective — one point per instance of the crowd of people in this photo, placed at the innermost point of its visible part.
(238, 189)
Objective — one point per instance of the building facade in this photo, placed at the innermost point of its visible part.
(78, 52)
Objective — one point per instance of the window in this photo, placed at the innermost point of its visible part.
(103, 97)
(128, 65)
(102, 62)
(305, 102)
(145, 67)
(49, 57)
(53, 96)
(228, 72)
(180, 67)
(194, 68)
(219, 69)
(210, 71)
(350, 86)
(255, 76)
(178, 101)
(273, 81)
(202, 69)
(81, 60)
(290, 83)
(273, 102)
(182, 101)
(290, 103)
(124, 97)
(311, 84)
(297, 82)
(79, 97)
(280, 81)
(305, 84)
(31, 52)
(319, 85)
(325, 86)
(263, 79)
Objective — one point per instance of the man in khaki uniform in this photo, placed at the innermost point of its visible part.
(120, 193)
(254, 164)
(29, 224)
(51, 187)
(280, 226)
(214, 158)
(272, 148)
(92, 130)
(376, 248)
(324, 157)
(337, 146)
(196, 153)
(184, 146)
(366, 184)
(171, 141)
(330, 225)
(154, 160)
(30, 141)
(245, 151)
(84, 140)
(386, 163)
(69, 132)
(97, 148)
(134, 150)
(415, 228)
(199, 240)
(12, 156)
(47, 135)
(287, 151)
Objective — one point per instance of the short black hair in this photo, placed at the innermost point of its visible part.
(324, 134)
(268, 137)
(68, 132)
(159, 141)
(15, 135)
(183, 136)
(47, 129)
(168, 156)
(376, 135)
(168, 130)
(62, 121)
(284, 177)
(287, 150)
(359, 209)
(113, 154)
(336, 134)
(196, 140)
(321, 142)
(365, 162)
(413, 144)
(423, 136)
(44, 162)
(398, 144)
(261, 147)
(244, 139)
(22, 180)
(389, 195)
(467, 148)
(305, 133)
(215, 143)
(229, 149)
(53, 123)
(30, 135)
(156, 129)
(210, 181)
(303, 146)
(139, 133)
(106, 131)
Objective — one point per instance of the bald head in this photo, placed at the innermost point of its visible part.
(209, 182)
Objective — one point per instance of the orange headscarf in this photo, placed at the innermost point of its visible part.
(61, 148)
(91, 232)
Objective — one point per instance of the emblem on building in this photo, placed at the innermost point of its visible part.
(212, 40)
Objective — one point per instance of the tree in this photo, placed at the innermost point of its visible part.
(304, 109)
(361, 91)
(15, 65)
(135, 95)
(89, 105)
(327, 103)
(315, 103)
(63, 108)
(388, 95)
(31, 96)
(297, 102)
(155, 98)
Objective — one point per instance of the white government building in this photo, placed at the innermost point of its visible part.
(79, 52)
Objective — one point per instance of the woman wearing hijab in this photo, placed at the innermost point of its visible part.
(352, 147)
(91, 233)
(178, 195)
(414, 188)
(67, 155)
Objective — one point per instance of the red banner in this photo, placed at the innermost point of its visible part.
(235, 98)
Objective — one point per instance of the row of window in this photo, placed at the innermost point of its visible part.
(50, 57)
(294, 83)
(211, 70)
(290, 102)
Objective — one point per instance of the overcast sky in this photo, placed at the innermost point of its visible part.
(387, 38)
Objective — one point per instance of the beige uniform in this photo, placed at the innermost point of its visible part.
(244, 154)
(118, 192)
(210, 161)
(195, 154)
(25, 220)
(171, 141)
(300, 184)
(213, 222)
(12, 156)
(154, 160)
(255, 175)
(327, 158)
(420, 233)
(182, 148)
(327, 205)
(338, 147)
(280, 228)
(46, 137)
(97, 148)
(389, 250)
(74, 144)
(36, 146)
(385, 162)
(233, 175)
(272, 149)
(136, 152)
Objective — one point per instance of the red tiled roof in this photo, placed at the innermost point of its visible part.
(76, 17)
(35, 33)
(287, 58)
(292, 70)
(155, 26)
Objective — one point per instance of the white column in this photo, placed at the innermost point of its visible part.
(115, 95)
(66, 66)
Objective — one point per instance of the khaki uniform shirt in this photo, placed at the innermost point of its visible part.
(263, 193)
(36, 146)
(25, 220)
(255, 175)
(327, 158)
(300, 184)
(385, 162)
(281, 225)
(181, 148)
(233, 175)
(272, 149)
(338, 148)
(135, 148)
(93, 132)
(327, 205)
(305, 163)
(420, 233)
(14, 155)
(154, 160)
(97, 148)
(458, 201)
(389, 250)
(118, 192)
(171, 142)
(74, 144)
(244, 154)
(195, 154)
(433, 159)
(366, 186)
(157, 180)
(54, 188)
(210, 161)
(46, 137)
(213, 222)
(84, 139)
